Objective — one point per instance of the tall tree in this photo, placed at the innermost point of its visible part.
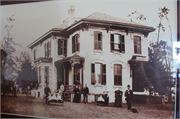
(8, 45)
(158, 68)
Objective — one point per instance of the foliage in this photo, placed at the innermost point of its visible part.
(26, 72)
(158, 68)
(9, 69)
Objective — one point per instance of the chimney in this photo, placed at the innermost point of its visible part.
(71, 15)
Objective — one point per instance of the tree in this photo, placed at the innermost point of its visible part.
(158, 68)
(9, 69)
(26, 73)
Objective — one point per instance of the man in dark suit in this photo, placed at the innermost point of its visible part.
(129, 95)
(47, 91)
(85, 93)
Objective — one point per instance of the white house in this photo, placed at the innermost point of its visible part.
(99, 50)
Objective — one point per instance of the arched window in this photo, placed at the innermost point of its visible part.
(117, 74)
(98, 73)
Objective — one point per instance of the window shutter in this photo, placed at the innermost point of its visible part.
(120, 43)
(73, 44)
(78, 43)
(95, 40)
(99, 41)
(45, 50)
(93, 81)
(139, 45)
(123, 43)
(59, 46)
(65, 47)
(103, 74)
(112, 42)
(49, 48)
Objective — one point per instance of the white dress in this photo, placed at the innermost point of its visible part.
(100, 98)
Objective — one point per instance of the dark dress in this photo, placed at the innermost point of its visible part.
(118, 98)
(77, 96)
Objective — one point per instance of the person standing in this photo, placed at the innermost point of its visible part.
(61, 89)
(47, 91)
(118, 98)
(85, 93)
(14, 89)
(76, 95)
(129, 95)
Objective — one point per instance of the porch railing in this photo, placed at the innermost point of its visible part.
(68, 88)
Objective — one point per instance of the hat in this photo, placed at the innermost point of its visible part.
(128, 86)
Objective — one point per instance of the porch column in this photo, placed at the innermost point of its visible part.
(64, 75)
(72, 69)
(81, 78)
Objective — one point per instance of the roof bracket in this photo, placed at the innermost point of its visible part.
(107, 28)
(127, 30)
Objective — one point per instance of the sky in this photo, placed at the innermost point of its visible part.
(32, 20)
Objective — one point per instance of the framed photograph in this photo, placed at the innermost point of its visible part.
(89, 59)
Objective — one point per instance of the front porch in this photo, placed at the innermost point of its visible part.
(70, 74)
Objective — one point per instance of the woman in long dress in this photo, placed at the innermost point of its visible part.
(118, 98)
(61, 89)
(77, 95)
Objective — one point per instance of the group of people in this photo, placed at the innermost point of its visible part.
(85, 91)
(77, 95)
(128, 95)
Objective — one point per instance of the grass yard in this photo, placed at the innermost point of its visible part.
(36, 107)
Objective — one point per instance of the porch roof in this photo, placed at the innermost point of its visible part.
(70, 59)
(136, 59)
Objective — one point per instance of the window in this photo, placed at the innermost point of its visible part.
(62, 47)
(47, 49)
(98, 73)
(75, 43)
(39, 75)
(137, 45)
(46, 73)
(117, 74)
(34, 54)
(97, 40)
(117, 43)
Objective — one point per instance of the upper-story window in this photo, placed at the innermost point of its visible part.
(75, 43)
(98, 73)
(97, 40)
(47, 49)
(137, 45)
(34, 54)
(117, 74)
(117, 43)
(62, 47)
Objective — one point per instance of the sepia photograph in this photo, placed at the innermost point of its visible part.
(89, 59)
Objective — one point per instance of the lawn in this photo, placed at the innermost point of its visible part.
(36, 107)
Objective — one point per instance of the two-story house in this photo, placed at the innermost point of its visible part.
(100, 50)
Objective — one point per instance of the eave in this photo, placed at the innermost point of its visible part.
(85, 23)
